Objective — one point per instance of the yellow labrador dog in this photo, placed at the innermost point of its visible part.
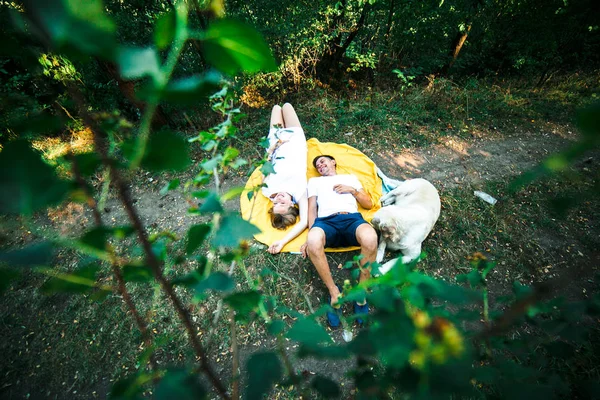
(409, 213)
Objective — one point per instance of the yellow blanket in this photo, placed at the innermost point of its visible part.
(349, 161)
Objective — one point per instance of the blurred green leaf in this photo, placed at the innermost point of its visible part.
(74, 25)
(233, 46)
(588, 121)
(166, 151)
(164, 30)
(233, 230)
(173, 184)
(216, 281)
(97, 238)
(27, 184)
(244, 302)
(6, 276)
(181, 385)
(185, 91)
(79, 281)
(196, 236)
(276, 327)
(264, 370)
(267, 168)
(35, 254)
(384, 298)
(138, 62)
(130, 387)
(326, 387)
(88, 163)
(212, 204)
(473, 277)
(234, 192)
(308, 332)
(137, 273)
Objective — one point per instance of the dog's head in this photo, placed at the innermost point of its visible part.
(385, 222)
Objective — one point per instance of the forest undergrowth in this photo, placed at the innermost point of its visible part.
(475, 136)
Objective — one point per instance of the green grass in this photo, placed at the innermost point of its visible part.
(50, 355)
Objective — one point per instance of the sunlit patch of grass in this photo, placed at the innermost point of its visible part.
(53, 148)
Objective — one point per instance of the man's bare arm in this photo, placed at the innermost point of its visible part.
(312, 211)
(363, 199)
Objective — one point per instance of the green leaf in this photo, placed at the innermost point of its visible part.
(97, 237)
(267, 168)
(264, 370)
(473, 277)
(232, 46)
(384, 298)
(137, 273)
(196, 236)
(138, 62)
(164, 30)
(235, 192)
(27, 184)
(193, 278)
(276, 327)
(173, 184)
(326, 387)
(212, 204)
(233, 229)
(87, 163)
(244, 302)
(230, 154)
(74, 25)
(166, 151)
(588, 121)
(219, 281)
(188, 90)
(80, 281)
(6, 276)
(181, 385)
(35, 254)
(308, 332)
(130, 387)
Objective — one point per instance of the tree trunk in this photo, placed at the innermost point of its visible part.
(328, 66)
(457, 45)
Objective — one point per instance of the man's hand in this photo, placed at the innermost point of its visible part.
(303, 250)
(341, 189)
(275, 247)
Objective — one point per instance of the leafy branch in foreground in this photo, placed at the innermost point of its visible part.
(421, 340)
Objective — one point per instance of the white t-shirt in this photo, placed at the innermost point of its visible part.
(289, 163)
(330, 202)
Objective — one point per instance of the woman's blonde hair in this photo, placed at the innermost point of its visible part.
(282, 221)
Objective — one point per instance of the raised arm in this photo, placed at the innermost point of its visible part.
(297, 229)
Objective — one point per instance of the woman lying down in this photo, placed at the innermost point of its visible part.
(287, 186)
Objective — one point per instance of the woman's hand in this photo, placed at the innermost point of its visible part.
(276, 247)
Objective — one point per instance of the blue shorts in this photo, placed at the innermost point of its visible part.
(340, 229)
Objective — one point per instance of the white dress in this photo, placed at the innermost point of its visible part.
(289, 163)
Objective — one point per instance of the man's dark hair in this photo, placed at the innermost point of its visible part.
(322, 155)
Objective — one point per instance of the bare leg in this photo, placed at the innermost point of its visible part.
(316, 253)
(290, 117)
(367, 238)
(276, 116)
